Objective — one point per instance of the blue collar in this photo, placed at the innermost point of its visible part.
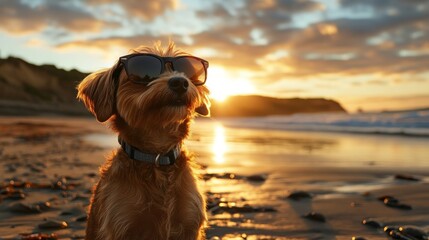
(159, 160)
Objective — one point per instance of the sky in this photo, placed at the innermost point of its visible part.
(367, 54)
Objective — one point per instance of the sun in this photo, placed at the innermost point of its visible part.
(223, 84)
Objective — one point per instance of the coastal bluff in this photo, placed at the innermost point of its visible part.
(254, 106)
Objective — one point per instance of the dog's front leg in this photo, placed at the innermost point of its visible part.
(92, 225)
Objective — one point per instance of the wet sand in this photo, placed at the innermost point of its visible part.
(254, 189)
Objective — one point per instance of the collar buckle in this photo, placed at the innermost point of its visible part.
(157, 160)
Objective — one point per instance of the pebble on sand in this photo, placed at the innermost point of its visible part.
(398, 205)
(12, 194)
(387, 198)
(257, 178)
(53, 224)
(358, 238)
(82, 218)
(372, 223)
(298, 195)
(25, 208)
(414, 232)
(399, 236)
(392, 202)
(388, 229)
(406, 177)
(314, 216)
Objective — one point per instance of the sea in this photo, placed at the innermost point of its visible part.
(407, 123)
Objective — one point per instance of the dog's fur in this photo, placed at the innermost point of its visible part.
(137, 200)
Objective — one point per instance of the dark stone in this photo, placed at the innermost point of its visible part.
(75, 211)
(397, 205)
(298, 195)
(16, 196)
(406, 177)
(66, 213)
(314, 216)
(82, 218)
(414, 232)
(53, 224)
(24, 208)
(388, 198)
(257, 178)
(398, 236)
(208, 176)
(91, 175)
(372, 223)
(388, 229)
(358, 238)
(12, 194)
(44, 206)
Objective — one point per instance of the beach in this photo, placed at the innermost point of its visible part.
(260, 182)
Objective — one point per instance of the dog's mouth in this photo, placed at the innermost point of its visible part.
(179, 101)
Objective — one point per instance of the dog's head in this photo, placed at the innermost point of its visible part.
(169, 97)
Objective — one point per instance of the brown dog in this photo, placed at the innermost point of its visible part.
(147, 188)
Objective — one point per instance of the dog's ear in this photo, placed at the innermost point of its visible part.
(204, 108)
(97, 91)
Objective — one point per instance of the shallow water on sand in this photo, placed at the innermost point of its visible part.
(222, 146)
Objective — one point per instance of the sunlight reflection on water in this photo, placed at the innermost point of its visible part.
(219, 144)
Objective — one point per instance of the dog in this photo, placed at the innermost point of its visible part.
(147, 187)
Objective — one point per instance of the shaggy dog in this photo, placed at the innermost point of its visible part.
(147, 188)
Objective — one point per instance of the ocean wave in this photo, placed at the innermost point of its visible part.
(411, 123)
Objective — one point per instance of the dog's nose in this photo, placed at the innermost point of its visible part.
(178, 84)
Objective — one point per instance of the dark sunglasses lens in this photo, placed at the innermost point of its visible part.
(143, 68)
(192, 68)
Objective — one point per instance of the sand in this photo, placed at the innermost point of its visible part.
(49, 165)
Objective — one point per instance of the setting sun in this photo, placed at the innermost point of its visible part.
(223, 83)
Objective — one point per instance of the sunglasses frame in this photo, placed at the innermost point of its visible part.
(164, 60)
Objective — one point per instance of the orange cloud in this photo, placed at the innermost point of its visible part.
(146, 10)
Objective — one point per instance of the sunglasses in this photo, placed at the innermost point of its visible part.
(144, 68)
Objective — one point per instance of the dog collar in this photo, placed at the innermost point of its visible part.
(159, 160)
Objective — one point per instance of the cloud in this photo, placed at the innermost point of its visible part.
(289, 6)
(126, 43)
(18, 17)
(146, 10)
(383, 38)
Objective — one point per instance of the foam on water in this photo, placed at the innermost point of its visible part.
(411, 123)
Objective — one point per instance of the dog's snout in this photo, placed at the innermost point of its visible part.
(178, 84)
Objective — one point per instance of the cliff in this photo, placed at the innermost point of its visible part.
(28, 89)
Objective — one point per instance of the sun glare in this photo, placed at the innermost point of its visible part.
(223, 84)
(219, 144)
